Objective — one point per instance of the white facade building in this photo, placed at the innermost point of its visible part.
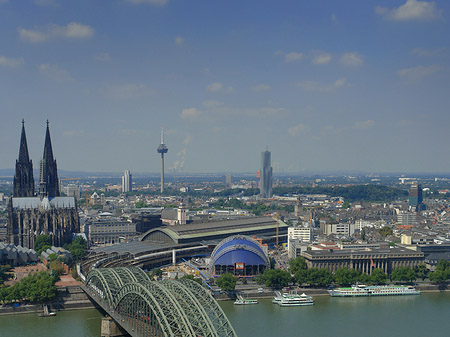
(127, 182)
(339, 229)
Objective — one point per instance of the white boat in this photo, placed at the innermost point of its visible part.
(292, 299)
(363, 290)
(244, 301)
(46, 312)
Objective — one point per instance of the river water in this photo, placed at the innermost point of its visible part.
(393, 316)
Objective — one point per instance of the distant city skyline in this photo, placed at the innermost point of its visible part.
(358, 86)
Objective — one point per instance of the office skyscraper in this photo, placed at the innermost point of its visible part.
(266, 175)
(127, 182)
(415, 198)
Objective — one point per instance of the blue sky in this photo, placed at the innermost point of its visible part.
(326, 85)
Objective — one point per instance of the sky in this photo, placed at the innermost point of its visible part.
(324, 85)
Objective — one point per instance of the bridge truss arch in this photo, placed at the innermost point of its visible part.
(158, 308)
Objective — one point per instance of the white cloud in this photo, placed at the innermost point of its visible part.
(297, 129)
(362, 125)
(219, 87)
(323, 58)
(102, 57)
(148, 2)
(427, 52)
(415, 74)
(261, 87)
(351, 59)
(130, 90)
(293, 57)
(54, 72)
(340, 82)
(334, 18)
(10, 62)
(214, 87)
(411, 10)
(212, 103)
(179, 41)
(323, 87)
(190, 113)
(31, 35)
(73, 30)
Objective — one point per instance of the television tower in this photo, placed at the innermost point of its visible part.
(162, 148)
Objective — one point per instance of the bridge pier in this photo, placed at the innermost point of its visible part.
(111, 329)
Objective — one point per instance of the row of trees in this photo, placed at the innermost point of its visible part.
(442, 272)
(299, 274)
(36, 288)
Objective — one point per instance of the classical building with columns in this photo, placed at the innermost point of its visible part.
(363, 260)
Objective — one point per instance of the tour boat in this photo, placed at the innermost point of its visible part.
(292, 300)
(363, 290)
(244, 301)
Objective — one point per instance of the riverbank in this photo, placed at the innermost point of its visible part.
(253, 293)
(67, 298)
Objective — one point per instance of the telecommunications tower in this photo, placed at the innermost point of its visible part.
(162, 148)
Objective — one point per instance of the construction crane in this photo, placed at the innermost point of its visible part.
(65, 179)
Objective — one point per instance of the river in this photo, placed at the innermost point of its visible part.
(394, 316)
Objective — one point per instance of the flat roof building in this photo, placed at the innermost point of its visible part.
(363, 260)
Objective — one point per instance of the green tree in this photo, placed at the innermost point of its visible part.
(301, 276)
(421, 271)
(276, 278)
(345, 205)
(438, 276)
(378, 276)
(226, 282)
(140, 204)
(299, 263)
(346, 277)
(42, 243)
(35, 288)
(78, 248)
(56, 267)
(403, 274)
(3, 273)
(364, 278)
(320, 277)
(157, 272)
(363, 234)
(385, 231)
(193, 278)
(443, 265)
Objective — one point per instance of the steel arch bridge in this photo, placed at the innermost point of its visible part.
(157, 308)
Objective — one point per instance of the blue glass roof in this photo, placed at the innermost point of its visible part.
(240, 256)
(238, 241)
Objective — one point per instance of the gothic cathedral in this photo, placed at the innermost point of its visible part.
(32, 214)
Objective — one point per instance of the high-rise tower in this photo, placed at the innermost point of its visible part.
(415, 198)
(162, 148)
(23, 179)
(48, 174)
(266, 175)
(127, 182)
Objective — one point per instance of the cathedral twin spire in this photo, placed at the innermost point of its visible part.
(48, 175)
